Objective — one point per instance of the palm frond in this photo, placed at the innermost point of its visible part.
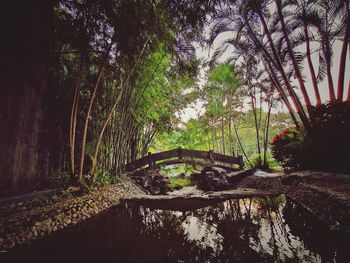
(322, 68)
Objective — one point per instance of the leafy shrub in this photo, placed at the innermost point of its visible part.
(102, 178)
(255, 163)
(59, 179)
(286, 148)
(325, 146)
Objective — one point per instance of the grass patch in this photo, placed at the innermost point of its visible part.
(182, 182)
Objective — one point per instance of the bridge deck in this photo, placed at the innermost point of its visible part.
(183, 156)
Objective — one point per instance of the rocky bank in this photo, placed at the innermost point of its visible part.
(27, 223)
(326, 195)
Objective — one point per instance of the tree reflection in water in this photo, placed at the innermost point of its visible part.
(239, 230)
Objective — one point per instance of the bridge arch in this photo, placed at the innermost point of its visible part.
(178, 156)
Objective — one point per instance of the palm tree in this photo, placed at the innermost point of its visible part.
(222, 77)
(304, 14)
(276, 38)
(345, 14)
(330, 20)
(244, 20)
(260, 9)
(327, 21)
(290, 50)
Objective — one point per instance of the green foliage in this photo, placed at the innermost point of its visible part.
(189, 137)
(324, 147)
(255, 162)
(160, 90)
(180, 182)
(103, 178)
(150, 64)
(59, 179)
(197, 134)
(223, 75)
(286, 147)
(175, 170)
(218, 92)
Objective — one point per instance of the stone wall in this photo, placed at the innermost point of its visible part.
(24, 49)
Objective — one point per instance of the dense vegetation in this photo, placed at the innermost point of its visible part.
(100, 83)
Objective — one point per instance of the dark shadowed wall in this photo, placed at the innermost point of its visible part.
(24, 61)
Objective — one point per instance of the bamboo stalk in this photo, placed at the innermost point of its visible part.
(86, 123)
(73, 122)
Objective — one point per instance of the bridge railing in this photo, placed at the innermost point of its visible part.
(180, 153)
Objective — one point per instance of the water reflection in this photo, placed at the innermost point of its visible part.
(245, 230)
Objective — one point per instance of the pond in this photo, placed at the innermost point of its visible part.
(237, 230)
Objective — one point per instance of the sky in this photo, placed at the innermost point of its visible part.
(196, 108)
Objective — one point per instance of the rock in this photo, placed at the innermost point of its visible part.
(195, 176)
(219, 170)
(153, 182)
(212, 180)
(41, 220)
(73, 189)
(178, 187)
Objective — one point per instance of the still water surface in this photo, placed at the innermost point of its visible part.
(238, 230)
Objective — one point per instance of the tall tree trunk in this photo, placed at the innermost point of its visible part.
(119, 96)
(342, 65)
(88, 113)
(217, 141)
(240, 145)
(232, 150)
(292, 57)
(230, 106)
(266, 133)
(278, 86)
(330, 82)
(279, 66)
(223, 130)
(311, 66)
(292, 94)
(213, 137)
(257, 128)
(208, 141)
(73, 121)
(326, 51)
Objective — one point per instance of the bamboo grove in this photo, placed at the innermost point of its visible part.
(120, 67)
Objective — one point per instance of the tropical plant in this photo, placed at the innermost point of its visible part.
(274, 32)
(323, 147)
(118, 67)
(286, 148)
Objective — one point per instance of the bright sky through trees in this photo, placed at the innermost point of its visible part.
(205, 53)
